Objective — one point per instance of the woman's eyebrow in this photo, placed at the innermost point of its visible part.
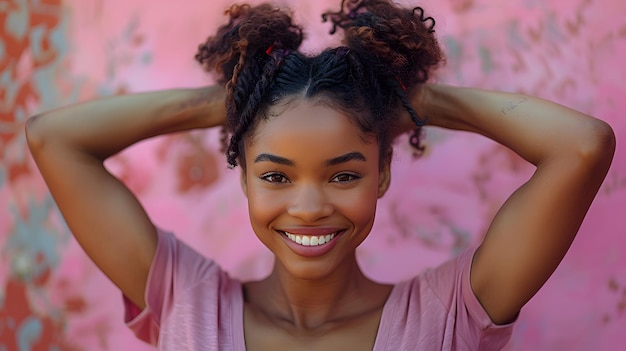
(274, 159)
(350, 156)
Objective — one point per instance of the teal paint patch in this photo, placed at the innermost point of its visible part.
(37, 36)
(454, 50)
(131, 28)
(486, 59)
(146, 58)
(17, 22)
(43, 80)
(11, 86)
(514, 36)
(10, 323)
(462, 238)
(58, 37)
(28, 333)
(552, 30)
(3, 50)
(32, 246)
(19, 115)
(3, 175)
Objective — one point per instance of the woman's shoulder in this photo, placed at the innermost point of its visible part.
(182, 285)
(438, 307)
(186, 266)
(441, 279)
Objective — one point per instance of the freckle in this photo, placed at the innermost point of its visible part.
(606, 319)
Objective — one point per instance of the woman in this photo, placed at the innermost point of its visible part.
(313, 137)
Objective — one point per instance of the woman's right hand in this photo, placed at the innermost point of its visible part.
(69, 146)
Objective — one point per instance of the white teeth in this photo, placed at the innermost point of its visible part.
(310, 240)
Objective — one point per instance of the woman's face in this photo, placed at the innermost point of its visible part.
(312, 179)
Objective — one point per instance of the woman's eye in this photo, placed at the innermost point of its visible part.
(274, 178)
(345, 177)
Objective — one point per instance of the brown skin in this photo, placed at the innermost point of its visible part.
(526, 241)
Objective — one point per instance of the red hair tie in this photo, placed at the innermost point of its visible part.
(401, 84)
(269, 50)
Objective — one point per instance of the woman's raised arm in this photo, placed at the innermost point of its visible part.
(70, 145)
(533, 230)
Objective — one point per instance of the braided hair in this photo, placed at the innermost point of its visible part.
(387, 51)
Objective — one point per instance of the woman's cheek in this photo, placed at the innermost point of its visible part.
(358, 205)
(264, 204)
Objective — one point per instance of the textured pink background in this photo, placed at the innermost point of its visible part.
(55, 52)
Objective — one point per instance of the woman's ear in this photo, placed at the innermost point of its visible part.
(384, 176)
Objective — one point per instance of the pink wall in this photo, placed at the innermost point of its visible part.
(54, 52)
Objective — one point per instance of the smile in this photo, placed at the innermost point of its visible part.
(310, 240)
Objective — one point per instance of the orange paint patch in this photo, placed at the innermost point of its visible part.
(18, 311)
(197, 169)
(75, 304)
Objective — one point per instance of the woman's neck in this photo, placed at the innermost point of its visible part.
(316, 304)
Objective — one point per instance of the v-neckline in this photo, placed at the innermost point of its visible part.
(382, 334)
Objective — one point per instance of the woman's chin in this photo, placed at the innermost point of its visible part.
(318, 269)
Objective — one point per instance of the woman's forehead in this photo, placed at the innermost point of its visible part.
(309, 125)
(313, 118)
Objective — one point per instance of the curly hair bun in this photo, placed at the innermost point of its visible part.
(399, 41)
(245, 54)
(253, 31)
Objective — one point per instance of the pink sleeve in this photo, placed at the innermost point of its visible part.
(175, 268)
(472, 323)
(437, 310)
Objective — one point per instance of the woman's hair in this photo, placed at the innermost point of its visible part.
(387, 51)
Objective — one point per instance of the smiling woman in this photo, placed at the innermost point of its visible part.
(314, 136)
(332, 191)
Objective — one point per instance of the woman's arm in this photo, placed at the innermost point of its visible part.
(533, 230)
(70, 145)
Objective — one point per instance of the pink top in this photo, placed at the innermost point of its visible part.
(193, 305)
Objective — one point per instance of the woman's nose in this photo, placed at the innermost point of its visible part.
(310, 203)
